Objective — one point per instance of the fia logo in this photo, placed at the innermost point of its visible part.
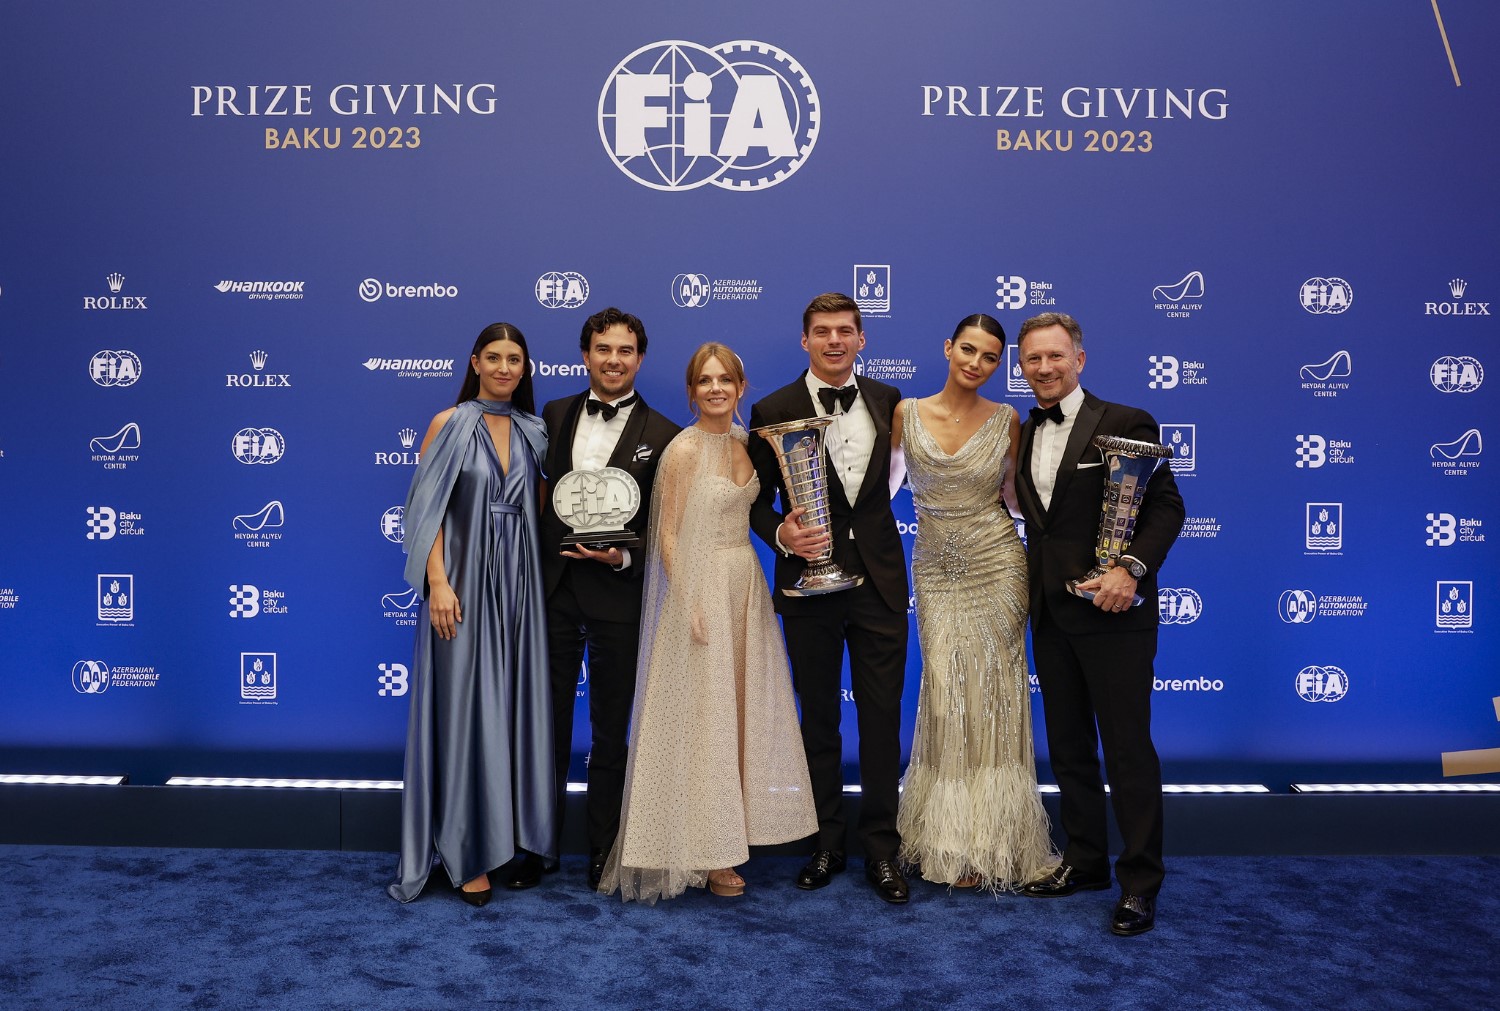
(116, 597)
(115, 368)
(1325, 526)
(1178, 605)
(1456, 374)
(1442, 530)
(1163, 372)
(1455, 603)
(244, 600)
(257, 446)
(1456, 288)
(258, 676)
(1326, 295)
(393, 679)
(91, 677)
(741, 116)
(1010, 291)
(1182, 440)
(100, 524)
(872, 288)
(1311, 451)
(1297, 607)
(1322, 684)
(691, 291)
(391, 527)
(562, 289)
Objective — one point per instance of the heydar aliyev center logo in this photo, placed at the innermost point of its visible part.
(675, 115)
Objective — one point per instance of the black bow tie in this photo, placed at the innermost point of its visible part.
(842, 395)
(1041, 414)
(608, 410)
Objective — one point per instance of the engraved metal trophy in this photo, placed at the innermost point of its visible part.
(799, 451)
(1131, 463)
(597, 504)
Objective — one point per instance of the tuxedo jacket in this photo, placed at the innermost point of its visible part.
(875, 549)
(1061, 541)
(602, 592)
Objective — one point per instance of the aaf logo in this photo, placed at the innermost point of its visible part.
(244, 600)
(393, 679)
(257, 446)
(101, 523)
(691, 291)
(1297, 607)
(116, 598)
(1456, 288)
(1311, 451)
(1325, 296)
(1456, 374)
(115, 368)
(1178, 605)
(1325, 526)
(1325, 683)
(1010, 292)
(391, 527)
(872, 287)
(562, 289)
(1164, 372)
(741, 116)
(1182, 440)
(258, 677)
(91, 677)
(1455, 603)
(1442, 530)
(114, 300)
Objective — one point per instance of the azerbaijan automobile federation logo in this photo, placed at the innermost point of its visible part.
(676, 115)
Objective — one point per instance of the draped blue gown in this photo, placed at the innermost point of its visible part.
(479, 772)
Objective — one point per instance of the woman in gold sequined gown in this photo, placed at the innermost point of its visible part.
(970, 812)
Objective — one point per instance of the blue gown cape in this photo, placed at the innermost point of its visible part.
(479, 779)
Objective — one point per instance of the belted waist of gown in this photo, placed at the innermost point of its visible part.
(504, 509)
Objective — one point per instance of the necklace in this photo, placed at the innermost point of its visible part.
(952, 419)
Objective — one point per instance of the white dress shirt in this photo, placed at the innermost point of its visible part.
(594, 442)
(849, 440)
(1048, 445)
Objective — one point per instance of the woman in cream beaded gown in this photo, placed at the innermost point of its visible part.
(970, 812)
(716, 762)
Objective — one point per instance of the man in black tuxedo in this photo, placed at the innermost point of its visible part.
(870, 618)
(1093, 658)
(594, 597)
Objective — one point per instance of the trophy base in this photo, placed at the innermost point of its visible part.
(603, 540)
(822, 577)
(1072, 585)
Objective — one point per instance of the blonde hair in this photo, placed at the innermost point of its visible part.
(727, 358)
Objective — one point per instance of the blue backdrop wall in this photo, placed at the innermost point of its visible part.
(243, 254)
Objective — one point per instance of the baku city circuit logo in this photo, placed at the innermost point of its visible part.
(676, 115)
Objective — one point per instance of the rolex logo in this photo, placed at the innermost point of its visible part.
(258, 360)
(1458, 286)
(407, 436)
(117, 281)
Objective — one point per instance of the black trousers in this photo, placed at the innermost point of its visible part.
(876, 639)
(1096, 689)
(611, 647)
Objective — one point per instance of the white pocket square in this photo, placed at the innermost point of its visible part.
(642, 452)
(1086, 466)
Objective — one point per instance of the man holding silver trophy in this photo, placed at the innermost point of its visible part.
(1100, 519)
(823, 443)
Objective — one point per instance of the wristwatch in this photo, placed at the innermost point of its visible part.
(1133, 566)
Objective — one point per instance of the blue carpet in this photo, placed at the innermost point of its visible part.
(154, 928)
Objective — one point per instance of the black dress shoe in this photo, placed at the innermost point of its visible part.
(596, 868)
(1134, 914)
(887, 880)
(476, 898)
(820, 869)
(525, 872)
(1064, 881)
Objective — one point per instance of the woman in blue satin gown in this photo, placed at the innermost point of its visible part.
(479, 778)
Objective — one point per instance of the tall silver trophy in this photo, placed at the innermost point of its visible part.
(799, 451)
(1131, 463)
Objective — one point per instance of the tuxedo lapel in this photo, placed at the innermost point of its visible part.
(630, 436)
(876, 405)
(1031, 502)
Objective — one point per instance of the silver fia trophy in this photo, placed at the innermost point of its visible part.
(1131, 463)
(799, 452)
(597, 504)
